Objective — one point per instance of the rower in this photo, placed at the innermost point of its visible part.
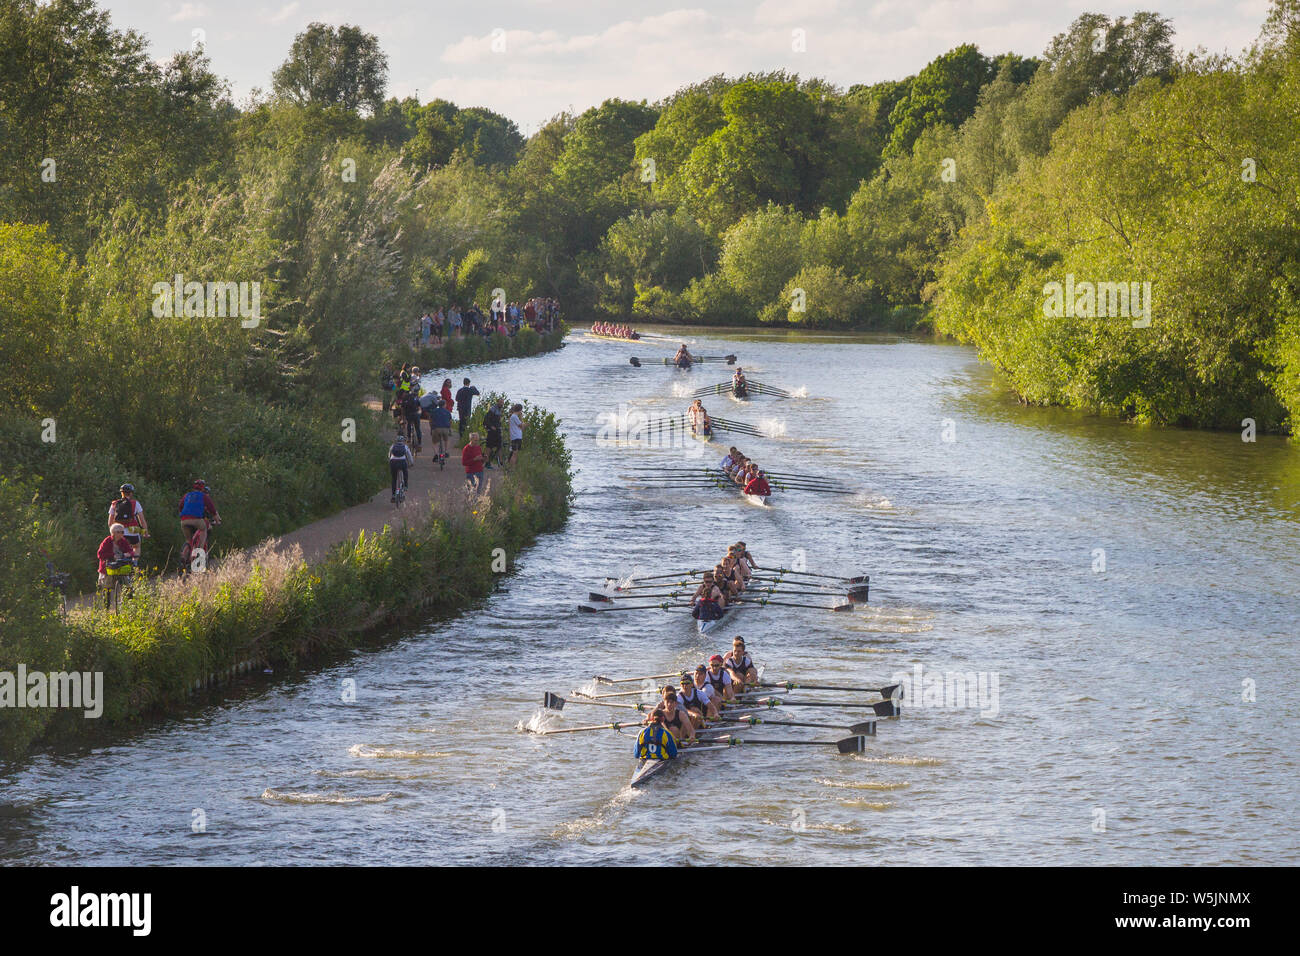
(745, 555)
(738, 384)
(655, 742)
(740, 664)
(701, 424)
(741, 565)
(675, 719)
(696, 704)
(727, 578)
(719, 679)
(705, 689)
(683, 357)
(729, 459)
(757, 485)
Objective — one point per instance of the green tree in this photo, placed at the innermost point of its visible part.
(334, 66)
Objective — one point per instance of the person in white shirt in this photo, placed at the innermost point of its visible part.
(516, 432)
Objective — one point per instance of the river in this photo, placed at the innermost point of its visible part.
(1133, 591)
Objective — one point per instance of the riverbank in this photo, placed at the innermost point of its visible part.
(284, 604)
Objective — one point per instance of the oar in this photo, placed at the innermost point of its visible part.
(587, 609)
(866, 727)
(884, 708)
(849, 745)
(556, 702)
(658, 577)
(812, 574)
(596, 598)
(600, 679)
(621, 693)
(578, 730)
(816, 607)
(887, 691)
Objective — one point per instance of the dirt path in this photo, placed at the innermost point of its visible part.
(427, 482)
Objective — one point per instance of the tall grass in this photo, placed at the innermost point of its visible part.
(269, 607)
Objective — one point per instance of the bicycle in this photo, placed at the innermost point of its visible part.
(400, 499)
(198, 541)
(119, 574)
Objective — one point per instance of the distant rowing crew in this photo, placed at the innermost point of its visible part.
(726, 582)
(745, 475)
(610, 331)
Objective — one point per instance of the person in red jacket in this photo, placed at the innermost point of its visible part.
(113, 550)
(472, 458)
(758, 485)
(446, 395)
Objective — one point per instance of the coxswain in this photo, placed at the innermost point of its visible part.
(709, 601)
(675, 718)
(740, 664)
(655, 742)
(757, 485)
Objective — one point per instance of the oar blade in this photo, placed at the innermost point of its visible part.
(867, 727)
(553, 701)
(887, 708)
(852, 745)
(636, 362)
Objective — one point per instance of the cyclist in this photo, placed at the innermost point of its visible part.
(115, 556)
(388, 385)
(197, 511)
(440, 428)
(128, 512)
(411, 416)
(400, 461)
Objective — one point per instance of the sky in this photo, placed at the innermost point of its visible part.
(531, 59)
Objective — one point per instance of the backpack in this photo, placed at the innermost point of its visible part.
(193, 505)
(121, 505)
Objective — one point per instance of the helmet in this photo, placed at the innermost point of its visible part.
(415, 370)
(200, 484)
(401, 439)
(128, 487)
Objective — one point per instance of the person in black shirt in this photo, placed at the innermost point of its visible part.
(464, 405)
(492, 426)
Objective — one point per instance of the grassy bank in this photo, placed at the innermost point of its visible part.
(276, 610)
(472, 349)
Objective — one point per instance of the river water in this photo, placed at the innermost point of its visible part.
(1133, 591)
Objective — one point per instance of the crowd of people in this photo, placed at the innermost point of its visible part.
(436, 326)
(405, 397)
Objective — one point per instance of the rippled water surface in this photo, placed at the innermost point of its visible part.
(1121, 736)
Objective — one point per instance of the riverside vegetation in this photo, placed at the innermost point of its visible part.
(266, 607)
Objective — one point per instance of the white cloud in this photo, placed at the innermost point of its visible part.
(283, 14)
(782, 12)
(189, 11)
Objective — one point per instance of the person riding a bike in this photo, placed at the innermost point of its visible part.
(128, 512)
(116, 555)
(198, 512)
(400, 461)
